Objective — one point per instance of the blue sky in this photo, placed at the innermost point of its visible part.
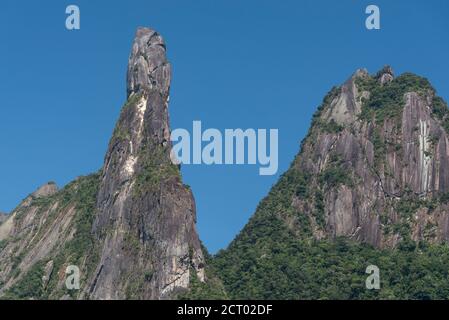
(236, 64)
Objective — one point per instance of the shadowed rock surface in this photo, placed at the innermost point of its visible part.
(130, 229)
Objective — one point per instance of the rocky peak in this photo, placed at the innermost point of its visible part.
(3, 217)
(360, 73)
(148, 67)
(145, 215)
(45, 190)
(372, 169)
(383, 140)
(385, 75)
(342, 105)
(131, 229)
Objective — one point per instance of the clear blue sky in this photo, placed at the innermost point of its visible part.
(248, 64)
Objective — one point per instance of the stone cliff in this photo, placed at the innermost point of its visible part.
(369, 186)
(373, 166)
(130, 228)
(145, 215)
(3, 217)
(376, 162)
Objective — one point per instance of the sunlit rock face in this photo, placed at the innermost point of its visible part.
(3, 217)
(130, 229)
(378, 156)
(145, 215)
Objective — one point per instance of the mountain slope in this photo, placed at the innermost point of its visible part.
(369, 186)
(3, 217)
(130, 229)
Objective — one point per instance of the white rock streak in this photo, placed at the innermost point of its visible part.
(424, 158)
(128, 168)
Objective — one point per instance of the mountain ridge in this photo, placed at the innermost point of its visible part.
(130, 228)
(3, 217)
(369, 185)
(359, 192)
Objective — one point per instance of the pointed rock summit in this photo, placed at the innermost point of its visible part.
(3, 217)
(130, 229)
(145, 215)
(370, 185)
(148, 68)
(385, 75)
(46, 190)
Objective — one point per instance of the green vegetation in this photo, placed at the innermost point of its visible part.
(16, 260)
(275, 256)
(302, 189)
(156, 167)
(319, 213)
(120, 132)
(30, 286)
(386, 101)
(330, 127)
(80, 250)
(441, 111)
(278, 203)
(135, 285)
(283, 267)
(212, 289)
(380, 147)
(3, 244)
(439, 108)
(327, 100)
(335, 174)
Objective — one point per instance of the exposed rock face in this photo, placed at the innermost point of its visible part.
(39, 229)
(386, 75)
(48, 270)
(46, 190)
(3, 217)
(148, 68)
(376, 162)
(129, 229)
(372, 170)
(146, 216)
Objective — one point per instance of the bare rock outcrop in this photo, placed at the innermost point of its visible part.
(46, 190)
(146, 216)
(377, 155)
(130, 229)
(3, 217)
